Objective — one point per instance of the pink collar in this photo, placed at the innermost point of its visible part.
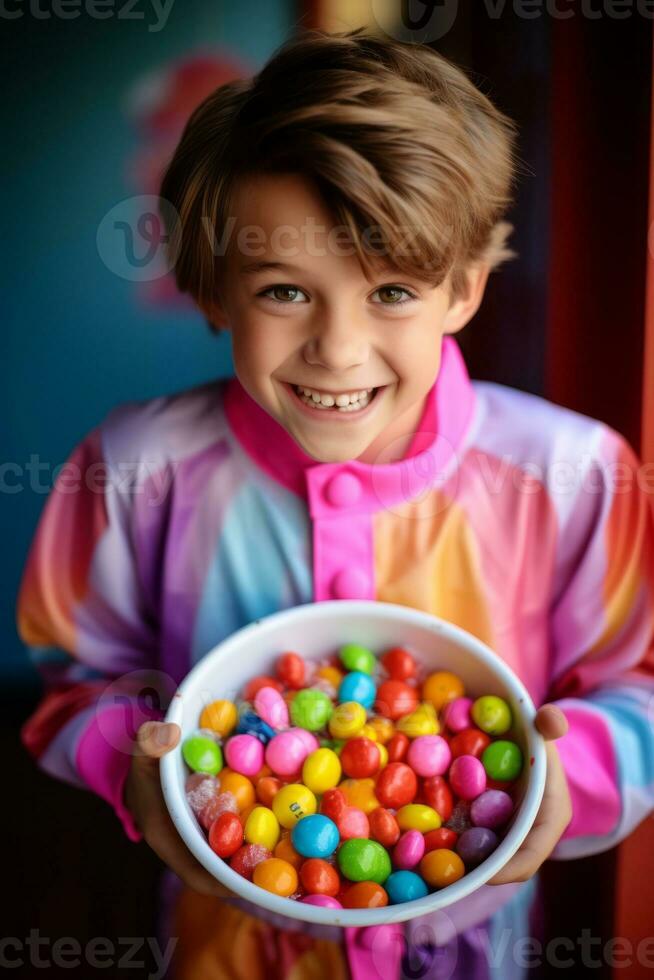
(362, 487)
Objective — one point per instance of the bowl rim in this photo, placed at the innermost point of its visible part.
(186, 825)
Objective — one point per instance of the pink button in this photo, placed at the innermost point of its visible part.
(351, 583)
(343, 490)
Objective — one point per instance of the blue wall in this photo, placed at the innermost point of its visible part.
(76, 341)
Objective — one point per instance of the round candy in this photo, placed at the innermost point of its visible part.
(365, 895)
(286, 752)
(239, 786)
(332, 675)
(395, 699)
(405, 886)
(333, 803)
(218, 804)
(360, 757)
(502, 760)
(460, 819)
(202, 754)
(319, 878)
(245, 860)
(441, 687)
(311, 709)
(252, 686)
(360, 793)
(355, 657)
(266, 789)
(442, 837)
(422, 721)
(436, 793)
(456, 714)
(368, 732)
(251, 724)
(291, 670)
(397, 747)
(383, 728)
(285, 850)
(315, 836)
(417, 816)
(220, 716)
(226, 835)
(399, 664)
(276, 876)
(200, 789)
(474, 845)
(292, 803)
(467, 777)
(492, 714)
(429, 755)
(262, 827)
(364, 860)
(347, 719)
(409, 850)
(469, 741)
(271, 707)
(492, 809)
(244, 754)
(357, 686)
(441, 867)
(384, 827)
(321, 770)
(323, 901)
(352, 822)
(396, 786)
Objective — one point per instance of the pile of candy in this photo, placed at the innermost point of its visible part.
(363, 784)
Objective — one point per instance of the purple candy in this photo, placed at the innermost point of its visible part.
(460, 818)
(474, 845)
(492, 809)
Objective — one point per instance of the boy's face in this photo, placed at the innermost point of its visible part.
(315, 321)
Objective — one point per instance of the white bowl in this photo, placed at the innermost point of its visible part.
(314, 631)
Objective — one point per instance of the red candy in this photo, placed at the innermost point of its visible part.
(443, 837)
(291, 670)
(384, 828)
(257, 683)
(397, 747)
(352, 822)
(245, 860)
(399, 664)
(226, 835)
(397, 785)
(437, 794)
(395, 698)
(318, 877)
(360, 758)
(333, 803)
(471, 741)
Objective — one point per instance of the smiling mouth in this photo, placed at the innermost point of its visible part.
(357, 400)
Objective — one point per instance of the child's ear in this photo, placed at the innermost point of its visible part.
(464, 307)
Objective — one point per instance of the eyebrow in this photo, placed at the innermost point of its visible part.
(251, 268)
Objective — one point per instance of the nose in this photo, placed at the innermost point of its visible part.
(336, 342)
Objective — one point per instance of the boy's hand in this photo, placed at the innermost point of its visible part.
(555, 810)
(145, 801)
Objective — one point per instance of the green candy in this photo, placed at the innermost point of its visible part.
(364, 860)
(502, 760)
(335, 744)
(355, 657)
(202, 754)
(311, 709)
(492, 714)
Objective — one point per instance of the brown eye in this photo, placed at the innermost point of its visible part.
(394, 293)
(282, 293)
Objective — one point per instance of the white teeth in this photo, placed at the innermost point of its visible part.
(343, 403)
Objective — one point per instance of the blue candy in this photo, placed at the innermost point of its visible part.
(405, 886)
(315, 836)
(251, 724)
(357, 686)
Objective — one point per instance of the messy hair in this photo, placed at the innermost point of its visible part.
(395, 138)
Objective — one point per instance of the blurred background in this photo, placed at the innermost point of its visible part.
(93, 109)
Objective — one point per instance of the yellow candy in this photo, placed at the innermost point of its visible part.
(332, 675)
(383, 755)
(262, 827)
(321, 770)
(347, 720)
(360, 793)
(417, 816)
(220, 716)
(441, 687)
(367, 732)
(422, 721)
(276, 876)
(384, 728)
(293, 802)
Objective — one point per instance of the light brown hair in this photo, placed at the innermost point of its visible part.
(394, 136)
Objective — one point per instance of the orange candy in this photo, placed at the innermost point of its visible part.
(276, 876)
(267, 787)
(384, 828)
(239, 786)
(318, 877)
(285, 850)
(441, 687)
(441, 867)
(364, 895)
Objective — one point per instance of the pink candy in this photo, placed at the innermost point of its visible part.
(456, 714)
(429, 755)
(286, 752)
(353, 822)
(467, 777)
(271, 707)
(409, 850)
(324, 901)
(244, 754)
